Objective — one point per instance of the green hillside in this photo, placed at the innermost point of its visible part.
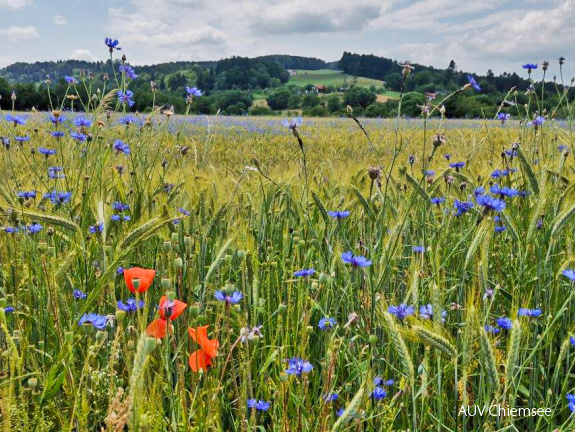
(330, 77)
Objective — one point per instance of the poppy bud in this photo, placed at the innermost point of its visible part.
(178, 262)
(166, 283)
(120, 316)
(314, 286)
(167, 246)
(150, 344)
(171, 295)
(88, 328)
(195, 310)
(282, 308)
(32, 383)
(51, 250)
(188, 241)
(274, 264)
(42, 247)
(131, 345)
(175, 237)
(284, 377)
(323, 277)
(372, 339)
(228, 258)
(241, 254)
(295, 238)
(301, 243)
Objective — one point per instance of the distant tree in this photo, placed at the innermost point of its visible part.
(359, 96)
(333, 104)
(311, 100)
(279, 99)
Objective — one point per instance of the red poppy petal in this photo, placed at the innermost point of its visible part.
(199, 360)
(158, 328)
(177, 309)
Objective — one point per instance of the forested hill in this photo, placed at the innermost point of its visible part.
(427, 77)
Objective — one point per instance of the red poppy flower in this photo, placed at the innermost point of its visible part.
(146, 277)
(158, 328)
(202, 358)
(176, 307)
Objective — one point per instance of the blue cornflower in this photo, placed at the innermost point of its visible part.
(457, 165)
(491, 329)
(569, 274)
(561, 147)
(193, 91)
(34, 228)
(479, 190)
(9, 309)
(332, 397)
(503, 191)
(529, 67)
(304, 273)
(5, 142)
(126, 97)
(78, 136)
(54, 172)
(130, 305)
(378, 381)
(71, 80)
(429, 173)
(462, 206)
(79, 294)
(572, 340)
(418, 249)
(355, 261)
(497, 174)
(98, 321)
(258, 405)
(490, 203)
(27, 194)
(297, 366)
(426, 312)
(11, 230)
(58, 134)
(529, 312)
(22, 139)
(120, 206)
(437, 200)
(57, 120)
(293, 123)
(505, 323)
(234, 298)
(378, 393)
(129, 71)
(571, 401)
(327, 323)
(338, 214)
(447, 156)
(117, 217)
(537, 121)
(184, 211)
(112, 44)
(16, 119)
(500, 228)
(401, 311)
(99, 227)
(503, 117)
(473, 83)
(126, 120)
(121, 147)
(82, 122)
(411, 159)
(46, 151)
(120, 270)
(524, 193)
(57, 198)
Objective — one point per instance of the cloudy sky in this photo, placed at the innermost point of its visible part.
(478, 34)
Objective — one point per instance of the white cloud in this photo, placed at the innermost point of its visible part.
(14, 4)
(82, 54)
(59, 20)
(17, 33)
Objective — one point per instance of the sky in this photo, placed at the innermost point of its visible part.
(479, 35)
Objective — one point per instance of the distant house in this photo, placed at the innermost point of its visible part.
(320, 88)
(292, 72)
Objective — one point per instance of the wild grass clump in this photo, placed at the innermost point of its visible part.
(165, 272)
